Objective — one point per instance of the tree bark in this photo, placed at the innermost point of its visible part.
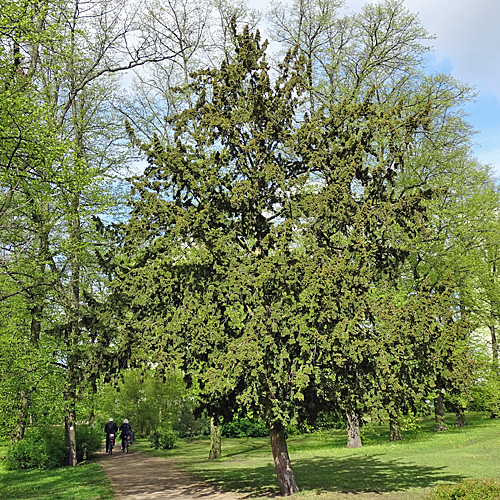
(461, 422)
(439, 414)
(286, 479)
(494, 345)
(353, 435)
(69, 427)
(22, 418)
(215, 439)
(395, 428)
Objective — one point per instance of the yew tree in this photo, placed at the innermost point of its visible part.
(258, 235)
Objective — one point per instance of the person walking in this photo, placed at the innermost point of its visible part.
(110, 428)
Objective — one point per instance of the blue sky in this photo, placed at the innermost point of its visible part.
(467, 45)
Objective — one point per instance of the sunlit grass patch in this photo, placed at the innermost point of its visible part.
(85, 482)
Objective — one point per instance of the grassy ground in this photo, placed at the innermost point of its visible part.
(326, 470)
(85, 482)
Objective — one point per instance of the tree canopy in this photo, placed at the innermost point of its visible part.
(260, 238)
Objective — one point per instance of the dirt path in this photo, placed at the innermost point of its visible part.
(137, 476)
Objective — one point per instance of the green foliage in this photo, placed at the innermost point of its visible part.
(410, 423)
(258, 237)
(245, 427)
(188, 425)
(163, 438)
(147, 400)
(45, 448)
(41, 448)
(88, 441)
(474, 489)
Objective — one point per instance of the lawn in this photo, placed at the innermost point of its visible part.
(84, 482)
(326, 470)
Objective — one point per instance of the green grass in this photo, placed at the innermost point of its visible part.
(85, 482)
(326, 470)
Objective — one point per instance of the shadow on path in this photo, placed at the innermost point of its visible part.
(136, 476)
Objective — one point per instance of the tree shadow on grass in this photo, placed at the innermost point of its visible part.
(375, 473)
(250, 447)
(353, 474)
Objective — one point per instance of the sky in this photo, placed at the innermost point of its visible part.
(467, 45)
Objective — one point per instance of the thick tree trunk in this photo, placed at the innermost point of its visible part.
(395, 428)
(286, 479)
(69, 428)
(215, 439)
(353, 435)
(22, 416)
(439, 414)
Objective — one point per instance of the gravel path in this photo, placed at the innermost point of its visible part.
(137, 476)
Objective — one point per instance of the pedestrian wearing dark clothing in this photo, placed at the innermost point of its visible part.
(110, 428)
(126, 431)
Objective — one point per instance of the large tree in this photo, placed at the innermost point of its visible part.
(258, 235)
(61, 150)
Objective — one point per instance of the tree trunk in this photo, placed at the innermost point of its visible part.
(395, 428)
(22, 417)
(69, 427)
(286, 479)
(494, 345)
(353, 435)
(461, 422)
(215, 439)
(439, 414)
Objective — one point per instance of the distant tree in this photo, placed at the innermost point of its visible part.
(148, 401)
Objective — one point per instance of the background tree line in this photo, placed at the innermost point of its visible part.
(311, 234)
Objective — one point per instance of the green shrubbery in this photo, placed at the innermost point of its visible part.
(187, 425)
(88, 441)
(163, 438)
(473, 489)
(45, 447)
(245, 427)
(41, 448)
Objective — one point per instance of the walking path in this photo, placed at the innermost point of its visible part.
(137, 476)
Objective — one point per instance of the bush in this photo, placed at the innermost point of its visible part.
(187, 425)
(474, 489)
(88, 441)
(41, 448)
(245, 427)
(163, 439)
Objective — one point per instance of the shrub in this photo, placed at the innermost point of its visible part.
(473, 489)
(88, 441)
(245, 427)
(187, 425)
(41, 448)
(163, 439)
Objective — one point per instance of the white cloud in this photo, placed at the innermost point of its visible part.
(468, 36)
